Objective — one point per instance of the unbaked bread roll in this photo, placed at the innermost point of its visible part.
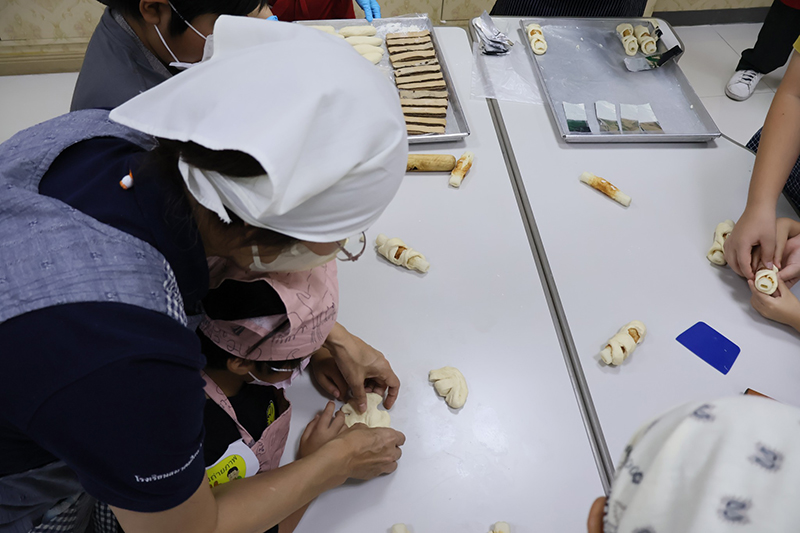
(539, 45)
(622, 345)
(648, 45)
(400, 528)
(326, 29)
(449, 382)
(463, 165)
(372, 417)
(767, 280)
(606, 188)
(365, 49)
(641, 31)
(625, 29)
(364, 30)
(716, 254)
(500, 527)
(373, 57)
(361, 39)
(630, 44)
(396, 251)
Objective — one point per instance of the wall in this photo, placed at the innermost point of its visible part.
(696, 5)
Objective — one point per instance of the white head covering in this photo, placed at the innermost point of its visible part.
(325, 124)
(730, 465)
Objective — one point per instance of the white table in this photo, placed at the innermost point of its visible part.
(612, 265)
(518, 450)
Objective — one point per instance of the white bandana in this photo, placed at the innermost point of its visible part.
(325, 124)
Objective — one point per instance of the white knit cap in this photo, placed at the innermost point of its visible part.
(323, 122)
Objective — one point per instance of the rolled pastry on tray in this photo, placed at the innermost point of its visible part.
(767, 280)
(539, 45)
(606, 187)
(622, 345)
(641, 31)
(625, 29)
(716, 254)
(630, 44)
(648, 45)
(396, 251)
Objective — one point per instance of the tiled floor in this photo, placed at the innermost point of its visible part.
(710, 59)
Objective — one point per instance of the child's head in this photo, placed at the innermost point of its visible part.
(269, 371)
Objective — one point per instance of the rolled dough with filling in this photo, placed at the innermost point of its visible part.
(539, 45)
(641, 31)
(400, 528)
(428, 121)
(434, 112)
(622, 345)
(417, 129)
(463, 165)
(412, 41)
(424, 102)
(423, 94)
(360, 39)
(396, 251)
(373, 57)
(428, 76)
(365, 49)
(409, 48)
(500, 527)
(364, 30)
(606, 188)
(533, 30)
(415, 63)
(449, 382)
(438, 84)
(372, 417)
(411, 71)
(625, 29)
(630, 44)
(326, 29)
(648, 45)
(407, 35)
(418, 54)
(767, 280)
(716, 254)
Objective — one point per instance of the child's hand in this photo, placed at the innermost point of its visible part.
(321, 430)
(782, 306)
(327, 374)
(790, 259)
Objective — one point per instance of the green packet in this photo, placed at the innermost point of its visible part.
(576, 118)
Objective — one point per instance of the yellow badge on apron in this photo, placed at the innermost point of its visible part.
(237, 462)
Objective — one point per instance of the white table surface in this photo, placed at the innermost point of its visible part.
(518, 450)
(647, 262)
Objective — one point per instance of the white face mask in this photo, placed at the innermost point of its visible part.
(208, 48)
(286, 382)
(297, 258)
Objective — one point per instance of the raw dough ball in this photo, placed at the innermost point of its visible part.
(716, 254)
(450, 383)
(365, 49)
(400, 528)
(500, 527)
(767, 280)
(373, 57)
(360, 39)
(396, 251)
(630, 44)
(621, 345)
(625, 29)
(372, 417)
(364, 30)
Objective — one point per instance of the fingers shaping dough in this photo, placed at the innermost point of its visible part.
(372, 417)
(396, 251)
(716, 254)
(449, 382)
(364, 30)
(500, 527)
(622, 345)
(463, 165)
(767, 280)
(606, 188)
(400, 528)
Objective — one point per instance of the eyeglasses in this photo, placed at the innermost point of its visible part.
(352, 248)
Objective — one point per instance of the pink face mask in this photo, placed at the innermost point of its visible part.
(286, 382)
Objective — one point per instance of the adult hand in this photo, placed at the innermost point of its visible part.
(787, 252)
(594, 524)
(370, 452)
(327, 374)
(325, 427)
(754, 228)
(364, 368)
(782, 306)
(371, 9)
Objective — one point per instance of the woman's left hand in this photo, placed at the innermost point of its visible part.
(327, 374)
(363, 367)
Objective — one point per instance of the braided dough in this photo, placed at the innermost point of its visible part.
(449, 382)
(372, 417)
(606, 188)
(716, 254)
(396, 251)
(500, 527)
(622, 345)
(767, 280)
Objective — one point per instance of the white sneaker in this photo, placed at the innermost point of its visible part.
(743, 84)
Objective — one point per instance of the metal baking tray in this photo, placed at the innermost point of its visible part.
(457, 127)
(584, 64)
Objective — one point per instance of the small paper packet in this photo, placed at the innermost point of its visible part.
(648, 121)
(607, 116)
(576, 118)
(629, 117)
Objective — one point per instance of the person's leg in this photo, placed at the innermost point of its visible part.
(775, 40)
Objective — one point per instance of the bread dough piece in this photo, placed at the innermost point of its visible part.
(428, 121)
(326, 29)
(396, 49)
(365, 49)
(500, 527)
(417, 54)
(408, 35)
(434, 112)
(364, 30)
(411, 41)
(463, 165)
(362, 39)
(417, 129)
(606, 188)
(622, 345)
(424, 102)
(449, 382)
(400, 528)
(430, 163)
(716, 254)
(533, 30)
(625, 29)
(630, 44)
(373, 57)
(539, 45)
(415, 63)
(428, 76)
(434, 84)
(396, 251)
(410, 95)
(641, 31)
(372, 417)
(767, 280)
(648, 45)
(412, 71)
